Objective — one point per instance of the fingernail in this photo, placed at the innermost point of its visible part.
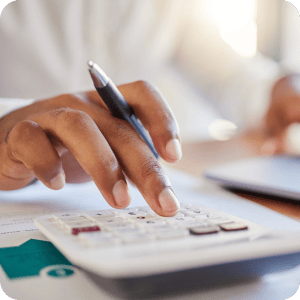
(173, 149)
(58, 182)
(168, 200)
(121, 193)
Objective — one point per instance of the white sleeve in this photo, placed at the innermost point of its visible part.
(9, 104)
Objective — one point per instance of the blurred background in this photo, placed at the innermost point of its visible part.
(215, 61)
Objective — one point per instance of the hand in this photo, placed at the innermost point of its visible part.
(283, 111)
(75, 137)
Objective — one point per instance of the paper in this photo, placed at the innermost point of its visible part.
(18, 208)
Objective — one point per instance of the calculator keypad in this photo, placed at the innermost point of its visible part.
(105, 228)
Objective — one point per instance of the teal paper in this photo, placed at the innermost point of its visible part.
(29, 258)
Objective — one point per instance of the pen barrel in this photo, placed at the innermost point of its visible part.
(118, 107)
(143, 133)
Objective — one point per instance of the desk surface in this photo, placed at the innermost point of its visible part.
(198, 156)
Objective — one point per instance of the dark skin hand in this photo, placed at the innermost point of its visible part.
(74, 138)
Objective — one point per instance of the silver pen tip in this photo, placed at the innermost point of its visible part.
(90, 64)
(99, 77)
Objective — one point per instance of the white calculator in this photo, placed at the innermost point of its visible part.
(135, 252)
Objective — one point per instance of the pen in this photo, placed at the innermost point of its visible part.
(116, 102)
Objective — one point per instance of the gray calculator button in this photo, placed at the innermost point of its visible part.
(204, 230)
(234, 226)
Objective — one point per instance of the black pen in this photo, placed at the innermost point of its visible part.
(116, 103)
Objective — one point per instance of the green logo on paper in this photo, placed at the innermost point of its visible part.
(31, 257)
(60, 272)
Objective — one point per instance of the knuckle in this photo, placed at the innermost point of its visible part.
(70, 118)
(151, 168)
(143, 85)
(122, 131)
(22, 132)
(109, 162)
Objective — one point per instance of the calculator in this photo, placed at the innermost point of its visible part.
(135, 252)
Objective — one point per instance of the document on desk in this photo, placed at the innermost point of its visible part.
(25, 273)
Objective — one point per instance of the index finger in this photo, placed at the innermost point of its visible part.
(76, 131)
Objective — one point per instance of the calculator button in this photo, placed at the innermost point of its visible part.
(160, 228)
(77, 230)
(196, 213)
(234, 226)
(108, 221)
(147, 210)
(137, 238)
(190, 207)
(71, 219)
(204, 230)
(132, 214)
(190, 224)
(220, 221)
(124, 210)
(171, 234)
(116, 226)
(128, 209)
(97, 214)
(185, 206)
(151, 223)
(209, 216)
(142, 218)
(58, 216)
(178, 215)
(179, 220)
(71, 225)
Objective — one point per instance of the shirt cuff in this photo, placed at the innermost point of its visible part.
(8, 105)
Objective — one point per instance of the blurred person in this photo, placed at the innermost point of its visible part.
(70, 135)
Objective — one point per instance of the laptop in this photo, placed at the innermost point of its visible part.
(272, 175)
